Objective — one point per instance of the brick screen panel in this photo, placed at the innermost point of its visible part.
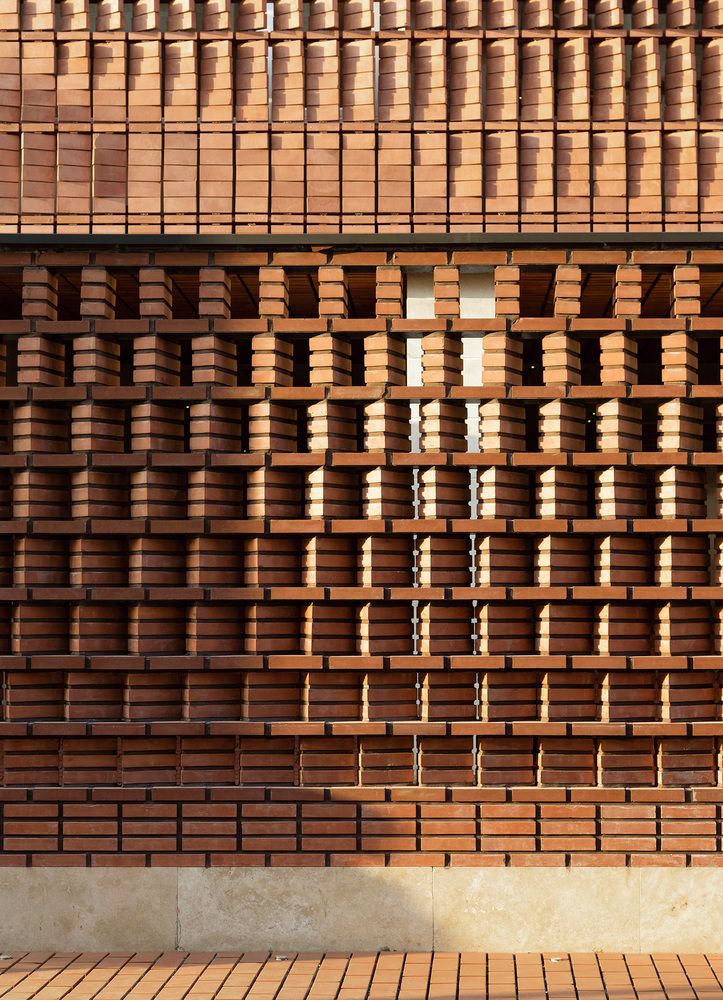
(349, 115)
(234, 632)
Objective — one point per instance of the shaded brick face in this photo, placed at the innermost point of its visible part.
(362, 558)
(358, 115)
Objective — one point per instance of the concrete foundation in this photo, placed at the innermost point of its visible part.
(480, 909)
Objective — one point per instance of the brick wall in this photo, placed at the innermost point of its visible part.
(359, 115)
(268, 597)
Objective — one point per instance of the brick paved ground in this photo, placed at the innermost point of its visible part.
(412, 976)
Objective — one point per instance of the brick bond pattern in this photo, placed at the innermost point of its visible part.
(228, 642)
(358, 116)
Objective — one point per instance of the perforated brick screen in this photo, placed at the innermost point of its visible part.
(370, 557)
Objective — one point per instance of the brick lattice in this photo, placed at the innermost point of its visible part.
(266, 602)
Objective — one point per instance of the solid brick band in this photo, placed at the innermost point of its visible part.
(331, 116)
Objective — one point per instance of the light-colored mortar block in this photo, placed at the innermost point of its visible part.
(681, 909)
(87, 909)
(338, 909)
(536, 909)
(306, 909)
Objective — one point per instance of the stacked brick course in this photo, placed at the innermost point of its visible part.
(270, 598)
(360, 115)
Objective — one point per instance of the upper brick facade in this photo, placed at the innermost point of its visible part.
(221, 116)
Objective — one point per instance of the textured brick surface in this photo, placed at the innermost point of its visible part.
(269, 598)
(392, 975)
(352, 115)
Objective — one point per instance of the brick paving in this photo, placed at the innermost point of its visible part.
(359, 976)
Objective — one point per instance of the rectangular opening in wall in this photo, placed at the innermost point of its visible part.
(532, 361)
(357, 355)
(413, 345)
(244, 294)
(128, 8)
(590, 361)
(649, 426)
(361, 290)
(185, 345)
(709, 426)
(11, 293)
(244, 429)
(597, 292)
(591, 438)
(711, 292)
(419, 293)
(6, 419)
(302, 429)
(186, 419)
(476, 293)
(300, 362)
(125, 360)
(10, 360)
(184, 293)
(127, 294)
(472, 424)
(532, 428)
(537, 291)
(359, 427)
(68, 281)
(68, 360)
(657, 292)
(472, 348)
(127, 426)
(709, 360)
(244, 364)
(303, 293)
(712, 494)
(650, 494)
(650, 360)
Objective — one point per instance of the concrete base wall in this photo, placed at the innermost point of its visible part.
(334, 909)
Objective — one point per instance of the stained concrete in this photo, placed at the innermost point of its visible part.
(485, 909)
(681, 908)
(87, 909)
(536, 909)
(309, 909)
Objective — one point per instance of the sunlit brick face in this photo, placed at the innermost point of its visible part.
(383, 524)
(385, 115)
(360, 422)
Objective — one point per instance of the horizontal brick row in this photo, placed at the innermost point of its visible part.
(613, 429)
(366, 760)
(435, 698)
(678, 285)
(294, 15)
(129, 179)
(285, 826)
(470, 79)
(375, 628)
